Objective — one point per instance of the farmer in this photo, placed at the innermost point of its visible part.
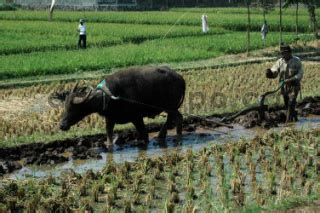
(82, 43)
(290, 70)
(204, 20)
(264, 32)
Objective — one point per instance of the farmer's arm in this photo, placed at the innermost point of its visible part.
(274, 71)
(299, 74)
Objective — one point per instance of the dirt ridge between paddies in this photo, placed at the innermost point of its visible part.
(181, 67)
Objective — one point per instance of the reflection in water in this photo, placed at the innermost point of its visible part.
(195, 140)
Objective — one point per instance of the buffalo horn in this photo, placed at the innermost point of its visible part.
(79, 100)
(109, 93)
(74, 88)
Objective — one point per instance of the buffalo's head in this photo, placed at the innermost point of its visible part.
(76, 108)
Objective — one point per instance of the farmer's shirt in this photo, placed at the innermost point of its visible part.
(292, 69)
(82, 29)
(264, 29)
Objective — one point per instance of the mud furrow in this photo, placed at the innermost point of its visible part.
(87, 147)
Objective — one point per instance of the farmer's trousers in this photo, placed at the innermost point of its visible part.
(82, 43)
(290, 94)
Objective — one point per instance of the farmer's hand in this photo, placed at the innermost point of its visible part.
(269, 73)
(290, 80)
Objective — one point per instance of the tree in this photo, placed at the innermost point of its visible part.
(312, 14)
(280, 30)
(266, 5)
(311, 5)
(248, 2)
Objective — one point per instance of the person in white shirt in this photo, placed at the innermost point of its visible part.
(82, 43)
(264, 32)
(205, 27)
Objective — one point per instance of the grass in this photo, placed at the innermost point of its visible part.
(157, 51)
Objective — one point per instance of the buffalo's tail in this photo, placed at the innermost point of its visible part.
(183, 94)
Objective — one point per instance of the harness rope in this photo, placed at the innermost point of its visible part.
(103, 83)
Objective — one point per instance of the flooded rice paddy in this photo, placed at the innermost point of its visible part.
(200, 138)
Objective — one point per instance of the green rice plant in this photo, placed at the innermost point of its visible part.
(127, 205)
(83, 189)
(191, 194)
(148, 200)
(157, 174)
(239, 10)
(107, 209)
(169, 206)
(172, 187)
(86, 205)
(236, 20)
(189, 206)
(156, 51)
(259, 196)
(12, 203)
(44, 36)
(95, 192)
(174, 197)
(110, 198)
(308, 187)
(271, 182)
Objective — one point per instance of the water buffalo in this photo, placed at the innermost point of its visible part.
(130, 95)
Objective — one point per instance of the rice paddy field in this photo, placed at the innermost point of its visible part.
(266, 169)
(121, 39)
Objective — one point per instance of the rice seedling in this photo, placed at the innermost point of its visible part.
(226, 190)
(127, 206)
(169, 206)
(191, 195)
(86, 205)
(157, 174)
(190, 207)
(32, 205)
(95, 192)
(83, 189)
(12, 204)
(110, 198)
(172, 187)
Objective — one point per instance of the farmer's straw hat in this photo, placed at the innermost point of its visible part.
(285, 48)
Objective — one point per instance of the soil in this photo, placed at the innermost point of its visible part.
(87, 147)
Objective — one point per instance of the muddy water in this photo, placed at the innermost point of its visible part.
(195, 140)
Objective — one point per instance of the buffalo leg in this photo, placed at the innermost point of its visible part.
(163, 132)
(141, 130)
(178, 122)
(109, 128)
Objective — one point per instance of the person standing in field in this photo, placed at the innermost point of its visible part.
(82, 43)
(290, 71)
(205, 27)
(264, 32)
